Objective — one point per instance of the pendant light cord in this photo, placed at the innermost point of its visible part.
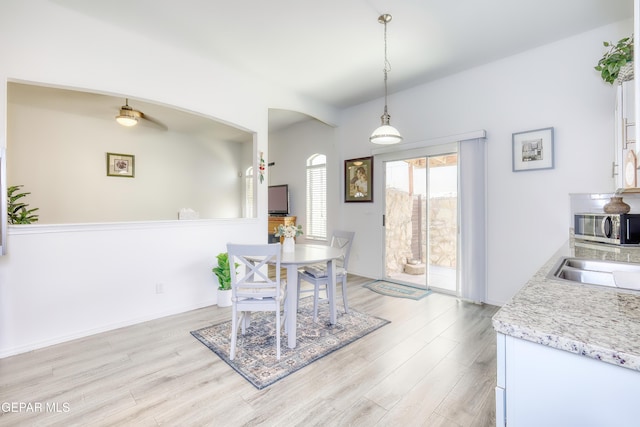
(387, 67)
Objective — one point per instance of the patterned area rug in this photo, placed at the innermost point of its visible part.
(397, 290)
(256, 351)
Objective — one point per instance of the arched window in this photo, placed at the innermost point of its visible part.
(316, 197)
(248, 193)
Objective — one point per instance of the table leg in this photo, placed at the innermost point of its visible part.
(292, 304)
(331, 290)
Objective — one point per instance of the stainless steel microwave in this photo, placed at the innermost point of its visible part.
(617, 229)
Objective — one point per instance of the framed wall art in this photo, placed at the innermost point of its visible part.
(358, 180)
(532, 150)
(122, 165)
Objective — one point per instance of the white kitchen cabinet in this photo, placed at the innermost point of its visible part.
(539, 385)
(626, 160)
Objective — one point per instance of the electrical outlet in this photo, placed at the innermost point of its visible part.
(159, 288)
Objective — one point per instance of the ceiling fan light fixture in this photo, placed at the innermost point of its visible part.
(127, 121)
(385, 134)
(128, 116)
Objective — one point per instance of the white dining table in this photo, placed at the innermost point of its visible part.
(304, 255)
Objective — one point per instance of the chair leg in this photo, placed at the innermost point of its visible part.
(283, 318)
(246, 321)
(344, 294)
(278, 334)
(234, 333)
(316, 291)
(285, 313)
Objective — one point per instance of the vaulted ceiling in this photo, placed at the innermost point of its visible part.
(332, 50)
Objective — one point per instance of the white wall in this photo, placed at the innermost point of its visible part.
(551, 86)
(59, 283)
(66, 282)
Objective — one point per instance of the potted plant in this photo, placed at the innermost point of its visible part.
(223, 273)
(617, 62)
(17, 212)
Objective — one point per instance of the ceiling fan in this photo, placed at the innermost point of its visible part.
(129, 117)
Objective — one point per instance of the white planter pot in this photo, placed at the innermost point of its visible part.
(224, 298)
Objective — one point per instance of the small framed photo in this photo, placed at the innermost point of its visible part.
(533, 150)
(122, 165)
(358, 180)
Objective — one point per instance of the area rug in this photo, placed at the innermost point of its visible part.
(256, 351)
(397, 290)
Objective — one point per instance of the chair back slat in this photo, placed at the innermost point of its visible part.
(343, 240)
(251, 279)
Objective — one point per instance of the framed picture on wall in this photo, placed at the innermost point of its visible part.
(122, 165)
(358, 180)
(532, 150)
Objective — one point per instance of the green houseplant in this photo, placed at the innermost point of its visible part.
(17, 212)
(617, 56)
(223, 273)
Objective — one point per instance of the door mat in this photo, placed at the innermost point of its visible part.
(256, 353)
(397, 290)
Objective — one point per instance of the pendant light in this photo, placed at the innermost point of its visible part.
(385, 134)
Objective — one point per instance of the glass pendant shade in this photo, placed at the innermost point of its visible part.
(385, 134)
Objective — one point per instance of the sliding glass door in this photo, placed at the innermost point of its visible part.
(421, 221)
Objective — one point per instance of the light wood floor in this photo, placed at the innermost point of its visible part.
(434, 365)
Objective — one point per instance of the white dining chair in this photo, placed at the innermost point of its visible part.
(252, 289)
(316, 274)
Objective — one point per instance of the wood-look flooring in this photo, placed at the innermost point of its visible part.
(433, 365)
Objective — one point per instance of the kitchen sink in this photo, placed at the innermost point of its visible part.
(595, 272)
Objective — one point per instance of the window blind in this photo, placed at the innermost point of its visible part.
(316, 197)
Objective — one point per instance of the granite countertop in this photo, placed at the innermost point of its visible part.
(594, 321)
